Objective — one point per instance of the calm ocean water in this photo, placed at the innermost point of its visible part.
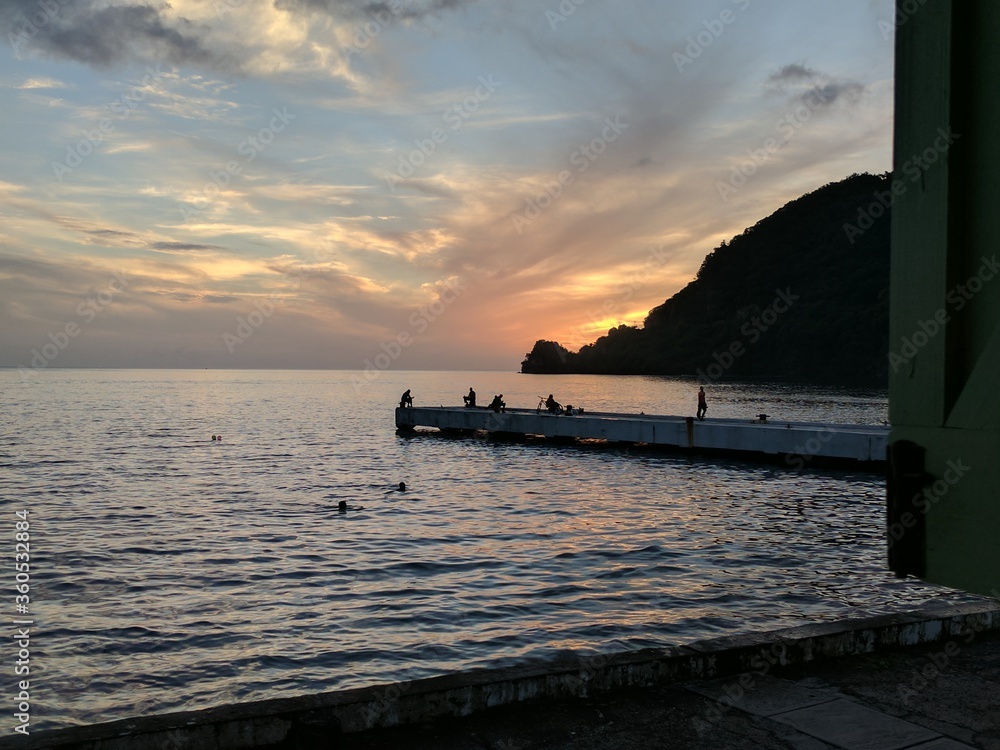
(171, 572)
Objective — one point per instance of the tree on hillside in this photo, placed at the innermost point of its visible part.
(546, 357)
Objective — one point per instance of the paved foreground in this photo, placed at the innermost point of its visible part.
(942, 696)
(927, 679)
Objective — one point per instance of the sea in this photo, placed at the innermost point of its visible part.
(172, 571)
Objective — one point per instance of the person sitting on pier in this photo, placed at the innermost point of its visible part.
(470, 400)
(406, 399)
(552, 405)
(497, 404)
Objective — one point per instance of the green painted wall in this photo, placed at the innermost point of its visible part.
(945, 285)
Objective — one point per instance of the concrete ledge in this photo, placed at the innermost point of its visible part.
(303, 721)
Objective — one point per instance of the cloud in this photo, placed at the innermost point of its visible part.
(114, 237)
(41, 83)
(290, 39)
(813, 87)
(354, 10)
(180, 248)
(794, 73)
(313, 219)
(102, 35)
(829, 93)
(23, 268)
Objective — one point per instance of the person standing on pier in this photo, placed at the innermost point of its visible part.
(702, 403)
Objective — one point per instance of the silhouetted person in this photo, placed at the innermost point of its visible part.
(406, 399)
(470, 400)
(343, 507)
(402, 487)
(552, 405)
(702, 403)
(497, 404)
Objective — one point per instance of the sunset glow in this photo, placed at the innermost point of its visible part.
(503, 172)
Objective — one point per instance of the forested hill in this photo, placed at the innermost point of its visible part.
(801, 295)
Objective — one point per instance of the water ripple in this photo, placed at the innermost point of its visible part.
(174, 572)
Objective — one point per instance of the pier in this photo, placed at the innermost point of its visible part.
(799, 443)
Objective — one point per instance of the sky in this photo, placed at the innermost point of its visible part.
(401, 184)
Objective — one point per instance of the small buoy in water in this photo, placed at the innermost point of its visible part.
(219, 438)
(342, 506)
(213, 437)
(402, 486)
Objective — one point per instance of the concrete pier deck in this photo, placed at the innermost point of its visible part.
(798, 442)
